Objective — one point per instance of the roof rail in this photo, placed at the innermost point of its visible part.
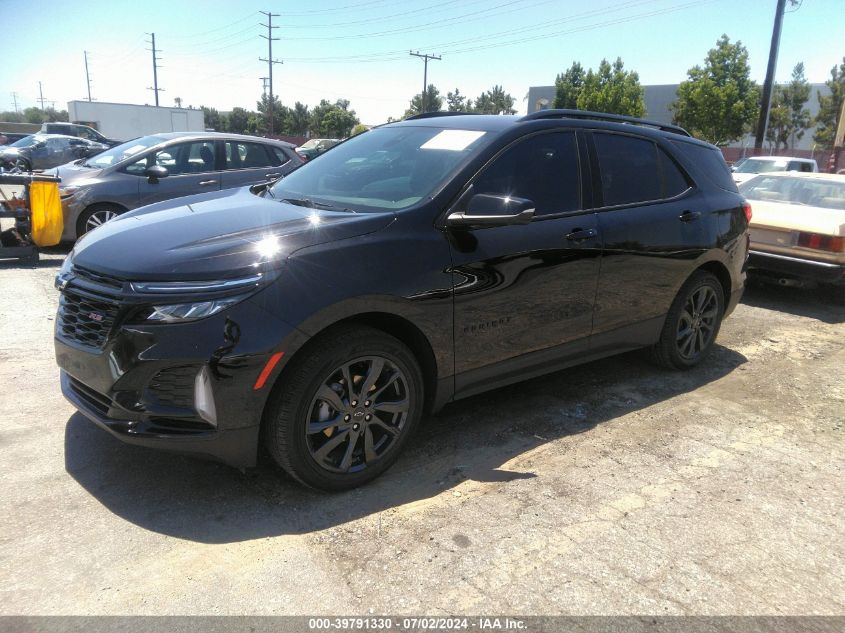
(430, 115)
(601, 116)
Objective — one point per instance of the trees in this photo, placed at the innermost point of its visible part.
(568, 86)
(334, 120)
(830, 107)
(719, 102)
(433, 102)
(237, 121)
(612, 89)
(298, 120)
(456, 101)
(11, 117)
(495, 101)
(788, 118)
(359, 129)
(213, 119)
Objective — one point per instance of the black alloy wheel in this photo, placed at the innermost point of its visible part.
(357, 414)
(692, 323)
(344, 407)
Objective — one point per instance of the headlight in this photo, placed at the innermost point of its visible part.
(67, 192)
(190, 311)
(63, 275)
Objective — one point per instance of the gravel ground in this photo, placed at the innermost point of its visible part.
(612, 488)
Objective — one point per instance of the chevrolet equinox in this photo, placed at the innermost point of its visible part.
(423, 261)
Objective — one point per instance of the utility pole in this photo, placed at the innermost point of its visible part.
(766, 100)
(425, 76)
(264, 81)
(156, 60)
(270, 61)
(41, 95)
(15, 100)
(87, 76)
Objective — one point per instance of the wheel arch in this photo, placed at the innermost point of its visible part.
(721, 272)
(93, 207)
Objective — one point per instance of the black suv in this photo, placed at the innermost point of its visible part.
(417, 263)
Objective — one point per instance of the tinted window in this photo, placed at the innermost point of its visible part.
(280, 154)
(184, 158)
(629, 169)
(710, 161)
(673, 180)
(240, 155)
(543, 169)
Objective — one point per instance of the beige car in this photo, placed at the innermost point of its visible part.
(798, 225)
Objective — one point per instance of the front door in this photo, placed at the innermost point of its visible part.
(524, 294)
(191, 169)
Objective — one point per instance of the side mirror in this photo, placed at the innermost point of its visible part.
(733, 167)
(486, 209)
(155, 172)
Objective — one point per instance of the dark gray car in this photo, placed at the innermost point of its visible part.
(164, 166)
(43, 151)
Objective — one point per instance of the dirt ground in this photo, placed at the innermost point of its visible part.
(612, 488)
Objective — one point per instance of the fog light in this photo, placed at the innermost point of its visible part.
(204, 398)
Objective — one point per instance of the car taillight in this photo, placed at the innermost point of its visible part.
(302, 156)
(818, 242)
(746, 208)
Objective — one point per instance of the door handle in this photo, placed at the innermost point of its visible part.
(578, 235)
(689, 216)
(271, 176)
(204, 183)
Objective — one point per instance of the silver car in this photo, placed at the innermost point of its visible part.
(164, 166)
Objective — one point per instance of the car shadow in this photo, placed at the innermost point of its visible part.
(49, 257)
(469, 440)
(822, 303)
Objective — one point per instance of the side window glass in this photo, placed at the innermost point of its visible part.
(186, 158)
(139, 166)
(241, 155)
(629, 169)
(674, 181)
(279, 156)
(542, 168)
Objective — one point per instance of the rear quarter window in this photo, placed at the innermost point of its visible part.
(710, 161)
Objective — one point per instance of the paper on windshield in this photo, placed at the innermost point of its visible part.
(452, 140)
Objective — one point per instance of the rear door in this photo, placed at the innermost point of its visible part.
(652, 221)
(524, 294)
(191, 169)
(249, 163)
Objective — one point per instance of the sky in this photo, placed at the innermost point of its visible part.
(359, 49)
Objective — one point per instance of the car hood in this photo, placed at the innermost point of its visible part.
(73, 172)
(796, 217)
(11, 152)
(741, 178)
(215, 235)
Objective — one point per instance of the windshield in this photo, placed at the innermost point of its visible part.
(760, 166)
(309, 144)
(122, 152)
(828, 194)
(27, 141)
(385, 168)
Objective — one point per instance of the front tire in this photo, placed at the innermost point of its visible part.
(692, 323)
(96, 215)
(345, 408)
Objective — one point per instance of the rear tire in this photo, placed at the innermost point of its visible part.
(344, 408)
(692, 323)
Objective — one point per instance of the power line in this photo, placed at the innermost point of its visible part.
(425, 58)
(156, 59)
(270, 61)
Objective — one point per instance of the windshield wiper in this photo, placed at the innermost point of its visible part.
(312, 204)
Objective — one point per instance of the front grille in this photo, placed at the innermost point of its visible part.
(94, 399)
(86, 319)
(174, 386)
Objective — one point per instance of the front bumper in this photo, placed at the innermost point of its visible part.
(826, 272)
(139, 385)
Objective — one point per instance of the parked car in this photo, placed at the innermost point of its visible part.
(321, 317)
(81, 131)
(316, 146)
(798, 230)
(164, 166)
(43, 151)
(747, 168)
(7, 138)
